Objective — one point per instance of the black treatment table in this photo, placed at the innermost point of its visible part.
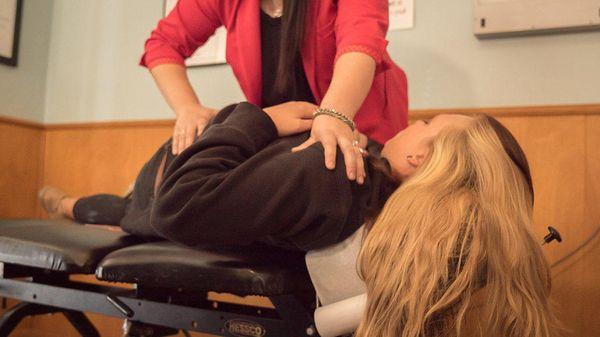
(37, 258)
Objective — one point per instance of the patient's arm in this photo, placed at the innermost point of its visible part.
(230, 188)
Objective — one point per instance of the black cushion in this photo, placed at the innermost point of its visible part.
(248, 270)
(58, 245)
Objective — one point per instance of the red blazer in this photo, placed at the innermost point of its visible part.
(334, 27)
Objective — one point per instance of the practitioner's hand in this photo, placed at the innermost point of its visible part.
(291, 117)
(189, 124)
(332, 132)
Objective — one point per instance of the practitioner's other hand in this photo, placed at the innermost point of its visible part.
(189, 124)
(291, 117)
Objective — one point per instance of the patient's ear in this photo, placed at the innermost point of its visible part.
(420, 153)
(416, 160)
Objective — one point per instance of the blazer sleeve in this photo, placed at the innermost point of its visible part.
(361, 26)
(189, 25)
(228, 189)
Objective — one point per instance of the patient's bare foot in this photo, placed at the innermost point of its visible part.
(54, 202)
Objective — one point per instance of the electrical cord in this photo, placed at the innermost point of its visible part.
(576, 250)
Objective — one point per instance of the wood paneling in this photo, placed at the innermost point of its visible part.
(515, 111)
(592, 159)
(562, 144)
(555, 149)
(563, 154)
(21, 168)
(99, 160)
(577, 282)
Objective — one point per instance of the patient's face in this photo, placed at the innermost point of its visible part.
(409, 148)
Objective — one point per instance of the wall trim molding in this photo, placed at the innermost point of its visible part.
(21, 122)
(517, 111)
(111, 124)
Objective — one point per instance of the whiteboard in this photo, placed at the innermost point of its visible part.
(493, 18)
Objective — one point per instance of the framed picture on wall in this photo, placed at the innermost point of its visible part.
(212, 52)
(10, 24)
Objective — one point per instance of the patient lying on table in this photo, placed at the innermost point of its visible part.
(457, 216)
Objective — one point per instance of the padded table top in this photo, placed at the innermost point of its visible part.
(247, 270)
(116, 256)
(58, 245)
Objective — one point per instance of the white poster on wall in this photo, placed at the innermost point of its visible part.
(8, 30)
(212, 52)
(402, 14)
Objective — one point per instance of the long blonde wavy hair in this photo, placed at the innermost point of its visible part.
(452, 253)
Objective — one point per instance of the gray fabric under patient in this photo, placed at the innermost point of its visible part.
(333, 270)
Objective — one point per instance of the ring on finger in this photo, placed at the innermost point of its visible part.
(355, 143)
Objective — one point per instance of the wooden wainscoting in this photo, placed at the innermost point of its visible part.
(562, 144)
(86, 159)
(21, 167)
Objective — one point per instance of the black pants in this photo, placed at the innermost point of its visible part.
(104, 209)
(131, 212)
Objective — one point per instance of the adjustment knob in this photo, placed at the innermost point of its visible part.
(552, 235)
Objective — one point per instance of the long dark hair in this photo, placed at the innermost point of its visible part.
(380, 170)
(292, 36)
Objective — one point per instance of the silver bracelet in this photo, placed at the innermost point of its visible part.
(334, 113)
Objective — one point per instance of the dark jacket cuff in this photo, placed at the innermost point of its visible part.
(254, 123)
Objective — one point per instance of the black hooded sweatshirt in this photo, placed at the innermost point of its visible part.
(240, 183)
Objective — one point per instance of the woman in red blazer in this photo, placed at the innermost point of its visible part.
(331, 52)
